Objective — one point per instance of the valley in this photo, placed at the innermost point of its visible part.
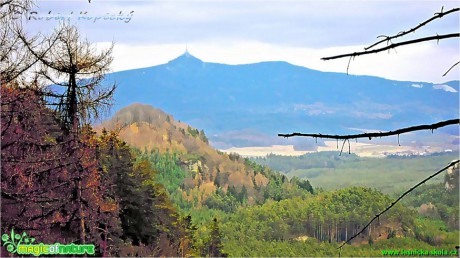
(314, 203)
(331, 170)
(158, 188)
(371, 150)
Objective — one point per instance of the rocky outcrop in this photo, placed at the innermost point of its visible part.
(451, 178)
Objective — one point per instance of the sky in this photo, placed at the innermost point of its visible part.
(148, 33)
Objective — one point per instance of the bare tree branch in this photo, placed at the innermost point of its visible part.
(402, 33)
(453, 163)
(370, 50)
(77, 67)
(14, 58)
(450, 68)
(379, 134)
(394, 45)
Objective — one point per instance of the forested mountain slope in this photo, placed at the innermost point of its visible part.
(260, 212)
(194, 173)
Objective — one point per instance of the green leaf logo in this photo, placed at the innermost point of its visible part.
(5, 237)
(13, 240)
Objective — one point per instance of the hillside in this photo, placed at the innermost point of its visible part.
(247, 105)
(263, 212)
(195, 173)
(173, 195)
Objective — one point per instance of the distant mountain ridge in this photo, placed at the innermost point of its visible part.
(247, 105)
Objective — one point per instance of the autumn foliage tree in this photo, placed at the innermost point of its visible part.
(50, 177)
(38, 171)
(31, 164)
(60, 181)
(74, 71)
(126, 212)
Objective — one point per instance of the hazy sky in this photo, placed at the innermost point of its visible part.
(148, 33)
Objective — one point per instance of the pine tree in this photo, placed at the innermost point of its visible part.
(203, 137)
(214, 246)
(217, 178)
(243, 195)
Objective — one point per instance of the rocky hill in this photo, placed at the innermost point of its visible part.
(210, 177)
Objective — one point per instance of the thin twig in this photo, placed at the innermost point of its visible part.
(395, 45)
(348, 66)
(450, 68)
(340, 154)
(379, 134)
(402, 33)
(453, 163)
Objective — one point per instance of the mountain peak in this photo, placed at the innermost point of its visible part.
(186, 58)
(186, 53)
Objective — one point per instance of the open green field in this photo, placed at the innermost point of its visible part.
(330, 171)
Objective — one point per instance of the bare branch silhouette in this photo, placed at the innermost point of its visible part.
(395, 45)
(370, 50)
(453, 163)
(450, 68)
(402, 33)
(379, 134)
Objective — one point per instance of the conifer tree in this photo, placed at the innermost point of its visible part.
(214, 245)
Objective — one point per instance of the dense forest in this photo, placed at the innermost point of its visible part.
(285, 213)
(129, 202)
(50, 189)
(183, 198)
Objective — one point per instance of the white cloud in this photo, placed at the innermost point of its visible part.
(417, 85)
(366, 130)
(299, 32)
(408, 64)
(372, 115)
(444, 87)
